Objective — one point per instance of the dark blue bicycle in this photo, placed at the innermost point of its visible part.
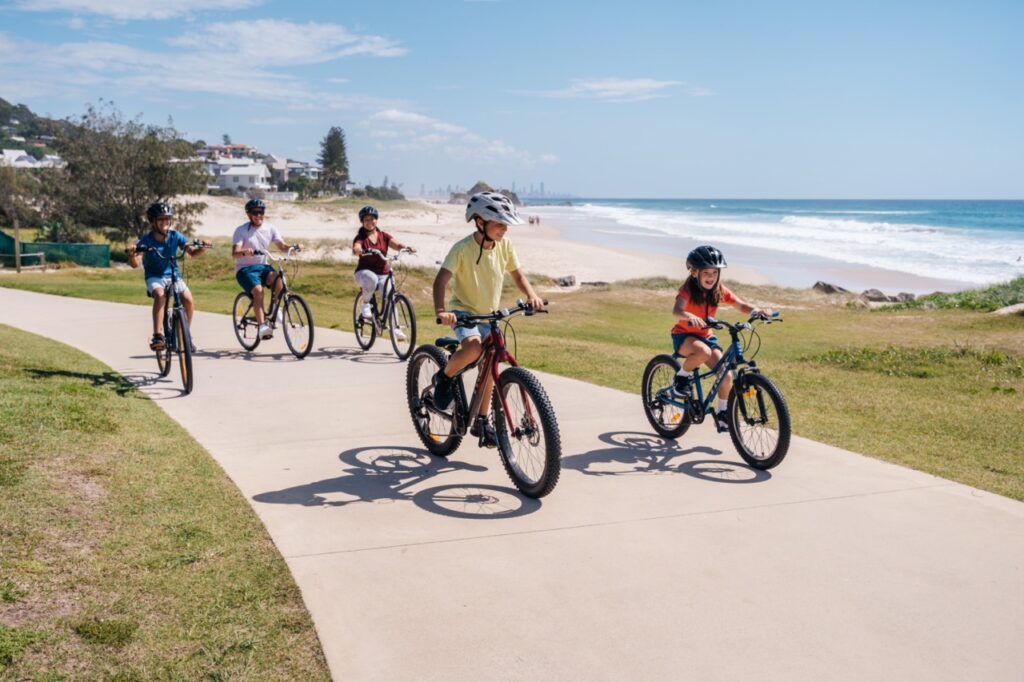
(757, 414)
(178, 338)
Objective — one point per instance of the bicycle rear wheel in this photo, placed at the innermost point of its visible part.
(531, 451)
(402, 327)
(759, 421)
(163, 356)
(247, 329)
(666, 419)
(298, 326)
(183, 341)
(366, 330)
(436, 430)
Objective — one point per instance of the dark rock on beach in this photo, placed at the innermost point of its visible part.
(826, 288)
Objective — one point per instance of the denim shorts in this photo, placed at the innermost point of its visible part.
(679, 339)
(251, 275)
(164, 283)
(481, 330)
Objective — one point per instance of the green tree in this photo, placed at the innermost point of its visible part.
(114, 168)
(333, 160)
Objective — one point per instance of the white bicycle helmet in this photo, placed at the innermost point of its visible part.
(493, 206)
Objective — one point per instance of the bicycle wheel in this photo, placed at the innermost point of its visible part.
(163, 359)
(532, 451)
(666, 419)
(759, 421)
(435, 430)
(402, 327)
(247, 329)
(365, 330)
(298, 326)
(183, 341)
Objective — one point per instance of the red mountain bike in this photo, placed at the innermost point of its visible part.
(528, 440)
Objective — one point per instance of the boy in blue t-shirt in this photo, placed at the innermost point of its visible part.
(157, 268)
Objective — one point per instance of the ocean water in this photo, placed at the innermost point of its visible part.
(973, 242)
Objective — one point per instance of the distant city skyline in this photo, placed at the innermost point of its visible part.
(654, 99)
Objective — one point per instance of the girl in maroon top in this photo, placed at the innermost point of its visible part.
(372, 268)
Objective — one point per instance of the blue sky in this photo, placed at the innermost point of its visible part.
(639, 99)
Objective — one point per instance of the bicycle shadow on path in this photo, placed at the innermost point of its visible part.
(637, 453)
(383, 474)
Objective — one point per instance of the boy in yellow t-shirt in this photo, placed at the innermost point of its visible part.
(477, 265)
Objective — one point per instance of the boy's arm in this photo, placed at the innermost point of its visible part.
(440, 285)
(524, 286)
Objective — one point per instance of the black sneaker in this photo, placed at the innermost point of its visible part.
(681, 387)
(721, 421)
(444, 390)
(483, 430)
(157, 342)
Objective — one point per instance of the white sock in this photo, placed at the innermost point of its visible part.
(722, 404)
(683, 373)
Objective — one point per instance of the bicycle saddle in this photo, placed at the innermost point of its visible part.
(448, 343)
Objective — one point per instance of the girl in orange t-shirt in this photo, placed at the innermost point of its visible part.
(692, 340)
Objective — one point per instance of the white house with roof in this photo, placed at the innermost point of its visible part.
(241, 178)
(19, 158)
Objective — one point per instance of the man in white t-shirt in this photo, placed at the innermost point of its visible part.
(248, 246)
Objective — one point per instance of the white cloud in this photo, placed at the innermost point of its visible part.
(615, 89)
(267, 42)
(413, 132)
(80, 70)
(133, 9)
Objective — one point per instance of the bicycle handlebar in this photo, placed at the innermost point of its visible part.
(376, 252)
(722, 324)
(291, 250)
(463, 319)
(150, 249)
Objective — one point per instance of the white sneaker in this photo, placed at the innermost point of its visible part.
(399, 335)
(367, 312)
(266, 331)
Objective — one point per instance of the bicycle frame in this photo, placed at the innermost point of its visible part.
(731, 360)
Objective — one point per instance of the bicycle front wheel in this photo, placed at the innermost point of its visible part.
(528, 439)
(402, 327)
(298, 326)
(183, 341)
(247, 329)
(759, 421)
(435, 429)
(668, 420)
(365, 329)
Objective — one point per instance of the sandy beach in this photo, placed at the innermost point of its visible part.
(544, 249)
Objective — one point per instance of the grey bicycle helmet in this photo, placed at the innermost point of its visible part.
(493, 206)
(705, 257)
(255, 205)
(159, 209)
(368, 211)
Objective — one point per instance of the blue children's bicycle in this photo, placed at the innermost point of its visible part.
(758, 419)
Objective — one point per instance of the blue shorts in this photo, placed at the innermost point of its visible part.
(251, 275)
(678, 339)
(481, 330)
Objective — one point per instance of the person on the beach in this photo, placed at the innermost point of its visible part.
(692, 340)
(476, 266)
(373, 268)
(156, 267)
(251, 268)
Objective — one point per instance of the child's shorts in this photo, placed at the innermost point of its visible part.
(679, 339)
(481, 330)
(165, 284)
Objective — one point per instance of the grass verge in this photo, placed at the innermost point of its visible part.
(127, 554)
(936, 390)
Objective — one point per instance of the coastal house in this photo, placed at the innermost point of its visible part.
(241, 178)
(278, 166)
(19, 158)
(302, 169)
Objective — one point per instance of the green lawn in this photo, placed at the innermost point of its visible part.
(126, 552)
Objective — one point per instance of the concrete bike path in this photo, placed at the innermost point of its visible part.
(651, 559)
